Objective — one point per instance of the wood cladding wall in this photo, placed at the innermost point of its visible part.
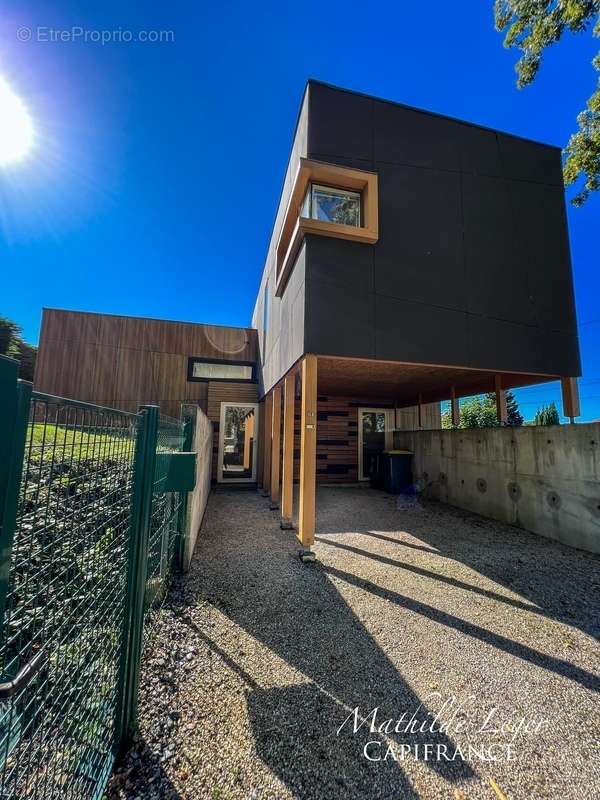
(337, 434)
(219, 392)
(123, 362)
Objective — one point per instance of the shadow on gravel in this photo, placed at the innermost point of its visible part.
(140, 776)
(559, 580)
(298, 614)
(294, 730)
(557, 665)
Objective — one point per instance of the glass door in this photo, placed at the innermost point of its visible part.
(238, 443)
(375, 426)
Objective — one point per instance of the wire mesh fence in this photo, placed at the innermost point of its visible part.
(69, 586)
(167, 508)
(65, 599)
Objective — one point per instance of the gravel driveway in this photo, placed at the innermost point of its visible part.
(476, 640)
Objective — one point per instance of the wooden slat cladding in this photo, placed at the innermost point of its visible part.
(125, 361)
(139, 333)
(219, 392)
(337, 434)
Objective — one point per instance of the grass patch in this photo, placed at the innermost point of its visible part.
(45, 441)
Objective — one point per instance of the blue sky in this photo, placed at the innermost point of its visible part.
(158, 166)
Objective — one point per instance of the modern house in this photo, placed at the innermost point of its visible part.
(414, 258)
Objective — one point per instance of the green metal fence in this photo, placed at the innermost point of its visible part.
(90, 528)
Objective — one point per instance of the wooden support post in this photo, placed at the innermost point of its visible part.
(501, 411)
(248, 439)
(570, 398)
(275, 448)
(287, 479)
(308, 452)
(267, 445)
(260, 443)
(454, 408)
(420, 411)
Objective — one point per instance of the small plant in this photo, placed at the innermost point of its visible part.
(237, 774)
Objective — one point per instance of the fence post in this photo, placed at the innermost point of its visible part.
(15, 398)
(135, 594)
(183, 521)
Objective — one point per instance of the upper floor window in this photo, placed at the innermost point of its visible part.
(326, 200)
(329, 204)
(206, 369)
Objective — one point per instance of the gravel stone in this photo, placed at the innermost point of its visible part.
(403, 610)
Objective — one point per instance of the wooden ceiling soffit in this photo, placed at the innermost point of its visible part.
(404, 382)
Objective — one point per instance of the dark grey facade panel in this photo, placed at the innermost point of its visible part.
(541, 229)
(423, 334)
(348, 265)
(562, 349)
(283, 341)
(419, 255)
(339, 322)
(479, 151)
(502, 345)
(349, 126)
(403, 136)
(521, 348)
(528, 161)
(472, 266)
(343, 319)
(340, 125)
(498, 268)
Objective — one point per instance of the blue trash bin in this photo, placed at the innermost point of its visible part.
(397, 470)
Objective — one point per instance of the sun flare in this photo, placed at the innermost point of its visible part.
(16, 127)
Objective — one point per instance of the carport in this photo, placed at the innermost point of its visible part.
(291, 419)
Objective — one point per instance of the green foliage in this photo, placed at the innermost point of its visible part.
(583, 150)
(480, 412)
(9, 337)
(45, 441)
(547, 415)
(26, 354)
(533, 25)
(514, 416)
(13, 346)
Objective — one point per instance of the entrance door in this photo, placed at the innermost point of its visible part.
(238, 443)
(375, 426)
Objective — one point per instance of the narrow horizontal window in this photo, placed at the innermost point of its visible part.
(332, 205)
(199, 370)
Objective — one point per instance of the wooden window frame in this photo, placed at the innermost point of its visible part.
(231, 362)
(221, 443)
(390, 424)
(295, 227)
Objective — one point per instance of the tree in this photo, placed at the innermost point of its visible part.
(514, 416)
(547, 415)
(13, 346)
(480, 412)
(26, 355)
(9, 337)
(533, 25)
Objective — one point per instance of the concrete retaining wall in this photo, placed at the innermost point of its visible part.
(543, 479)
